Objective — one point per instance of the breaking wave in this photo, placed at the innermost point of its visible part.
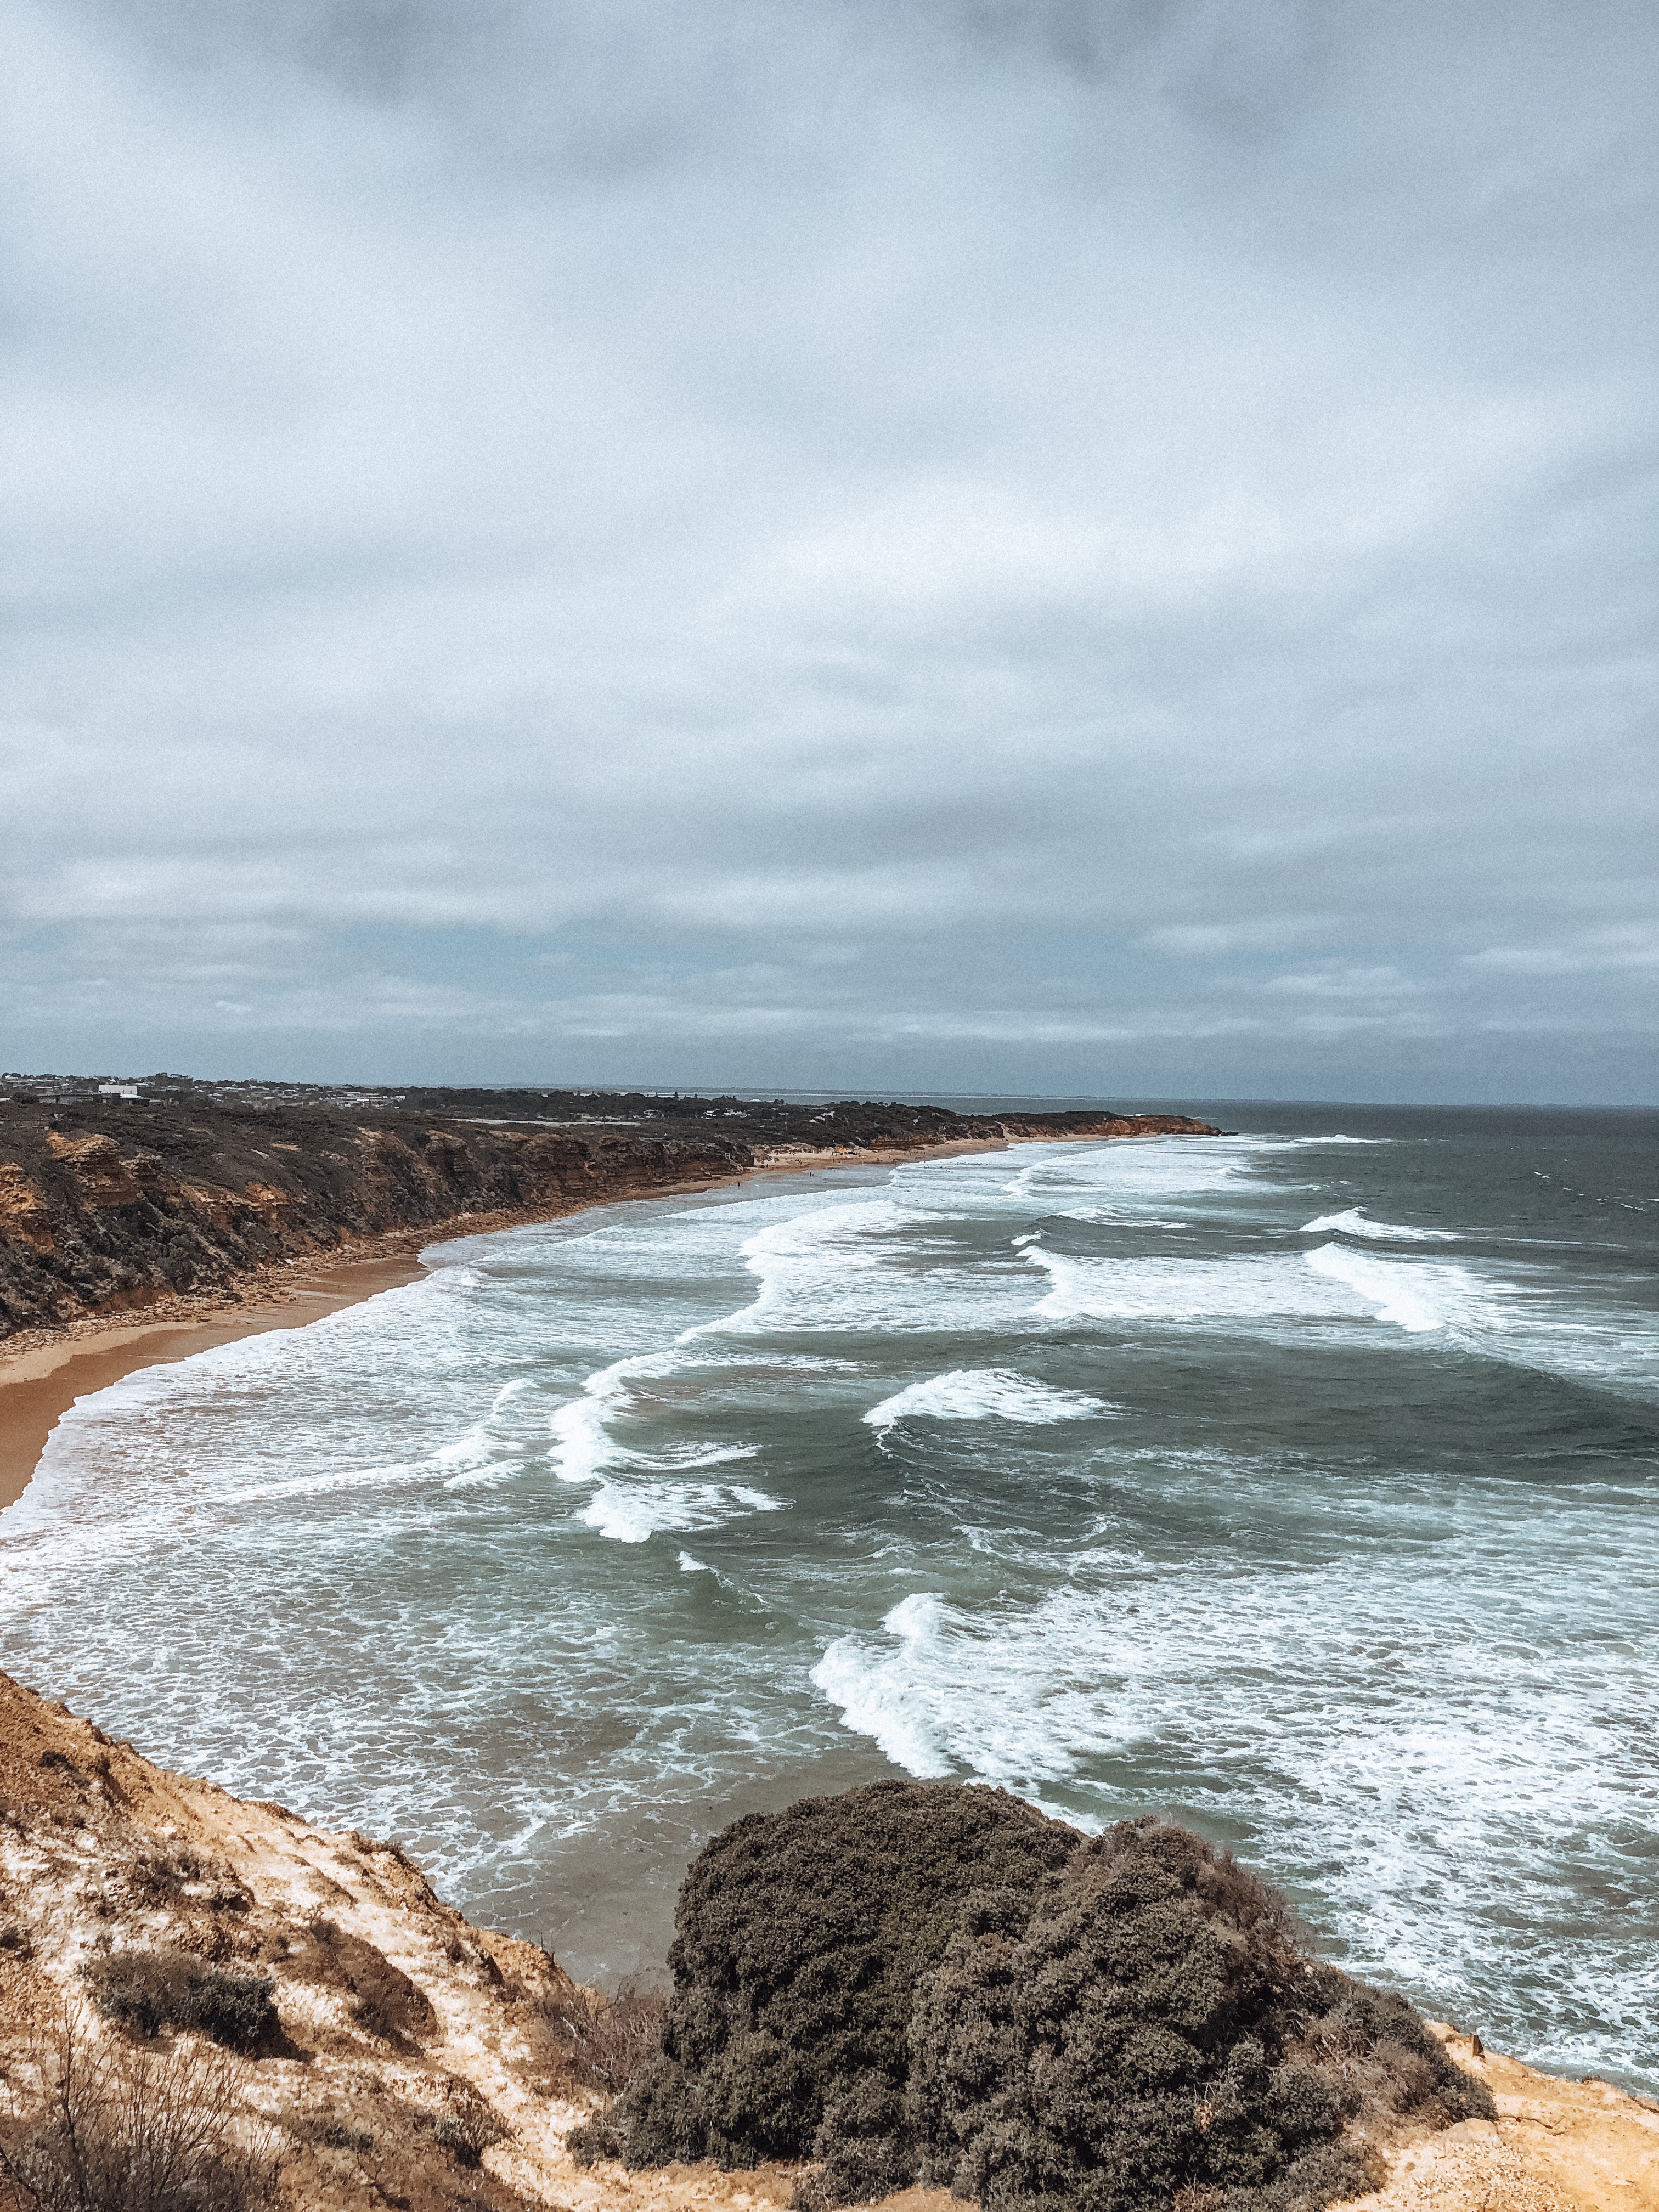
(983, 1394)
(1356, 1223)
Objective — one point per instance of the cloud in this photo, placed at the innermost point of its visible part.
(1089, 528)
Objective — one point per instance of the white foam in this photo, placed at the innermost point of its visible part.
(637, 1492)
(1127, 1175)
(1416, 1295)
(880, 1699)
(631, 1512)
(864, 1266)
(1337, 1137)
(1157, 1289)
(1330, 1284)
(983, 1393)
(1356, 1223)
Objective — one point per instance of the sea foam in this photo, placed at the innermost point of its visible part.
(983, 1393)
(1356, 1223)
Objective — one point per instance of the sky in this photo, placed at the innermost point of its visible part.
(1098, 547)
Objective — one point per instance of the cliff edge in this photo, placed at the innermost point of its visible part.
(381, 2051)
(114, 1205)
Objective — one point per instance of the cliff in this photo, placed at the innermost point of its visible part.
(406, 2058)
(108, 1204)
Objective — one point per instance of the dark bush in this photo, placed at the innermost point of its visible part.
(147, 1991)
(800, 1938)
(933, 1982)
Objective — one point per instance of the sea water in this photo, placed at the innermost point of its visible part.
(1298, 1484)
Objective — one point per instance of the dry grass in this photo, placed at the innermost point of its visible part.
(600, 2042)
(127, 2130)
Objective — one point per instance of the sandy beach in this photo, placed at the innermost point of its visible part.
(39, 1384)
(43, 1374)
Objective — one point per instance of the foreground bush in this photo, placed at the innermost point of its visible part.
(801, 1936)
(932, 1981)
(127, 2130)
(148, 1991)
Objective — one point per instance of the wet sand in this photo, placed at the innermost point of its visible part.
(39, 1386)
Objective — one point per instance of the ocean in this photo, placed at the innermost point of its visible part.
(1299, 1484)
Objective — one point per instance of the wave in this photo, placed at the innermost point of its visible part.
(1356, 1223)
(1416, 1295)
(1337, 1137)
(980, 1394)
(811, 1269)
(638, 1493)
(632, 1512)
(1148, 1172)
(877, 1698)
(1330, 1284)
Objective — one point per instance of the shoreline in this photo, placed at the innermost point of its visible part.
(45, 1372)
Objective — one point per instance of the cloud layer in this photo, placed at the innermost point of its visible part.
(1085, 547)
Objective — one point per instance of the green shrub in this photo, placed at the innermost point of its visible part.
(800, 1938)
(933, 1982)
(147, 1991)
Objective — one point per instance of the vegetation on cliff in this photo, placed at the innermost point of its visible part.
(110, 1204)
(931, 1982)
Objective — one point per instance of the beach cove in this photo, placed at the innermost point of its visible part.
(1040, 1466)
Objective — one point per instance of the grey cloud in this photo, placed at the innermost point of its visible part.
(1074, 545)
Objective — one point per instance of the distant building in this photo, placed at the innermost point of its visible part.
(118, 1091)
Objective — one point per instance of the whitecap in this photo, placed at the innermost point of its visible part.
(877, 1692)
(980, 1394)
(1355, 1222)
(631, 1512)
(1415, 1295)
(1331, 1284)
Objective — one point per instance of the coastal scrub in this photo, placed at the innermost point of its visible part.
(933, 1982)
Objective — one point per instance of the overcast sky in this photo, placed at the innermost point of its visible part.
(1090, 546)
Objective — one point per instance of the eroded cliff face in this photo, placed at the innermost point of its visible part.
(117, 1205)
(413, 2061)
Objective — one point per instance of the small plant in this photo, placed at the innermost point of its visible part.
(603, 2041)
(466, 2131)
(126, 2131)
(147, 1991)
